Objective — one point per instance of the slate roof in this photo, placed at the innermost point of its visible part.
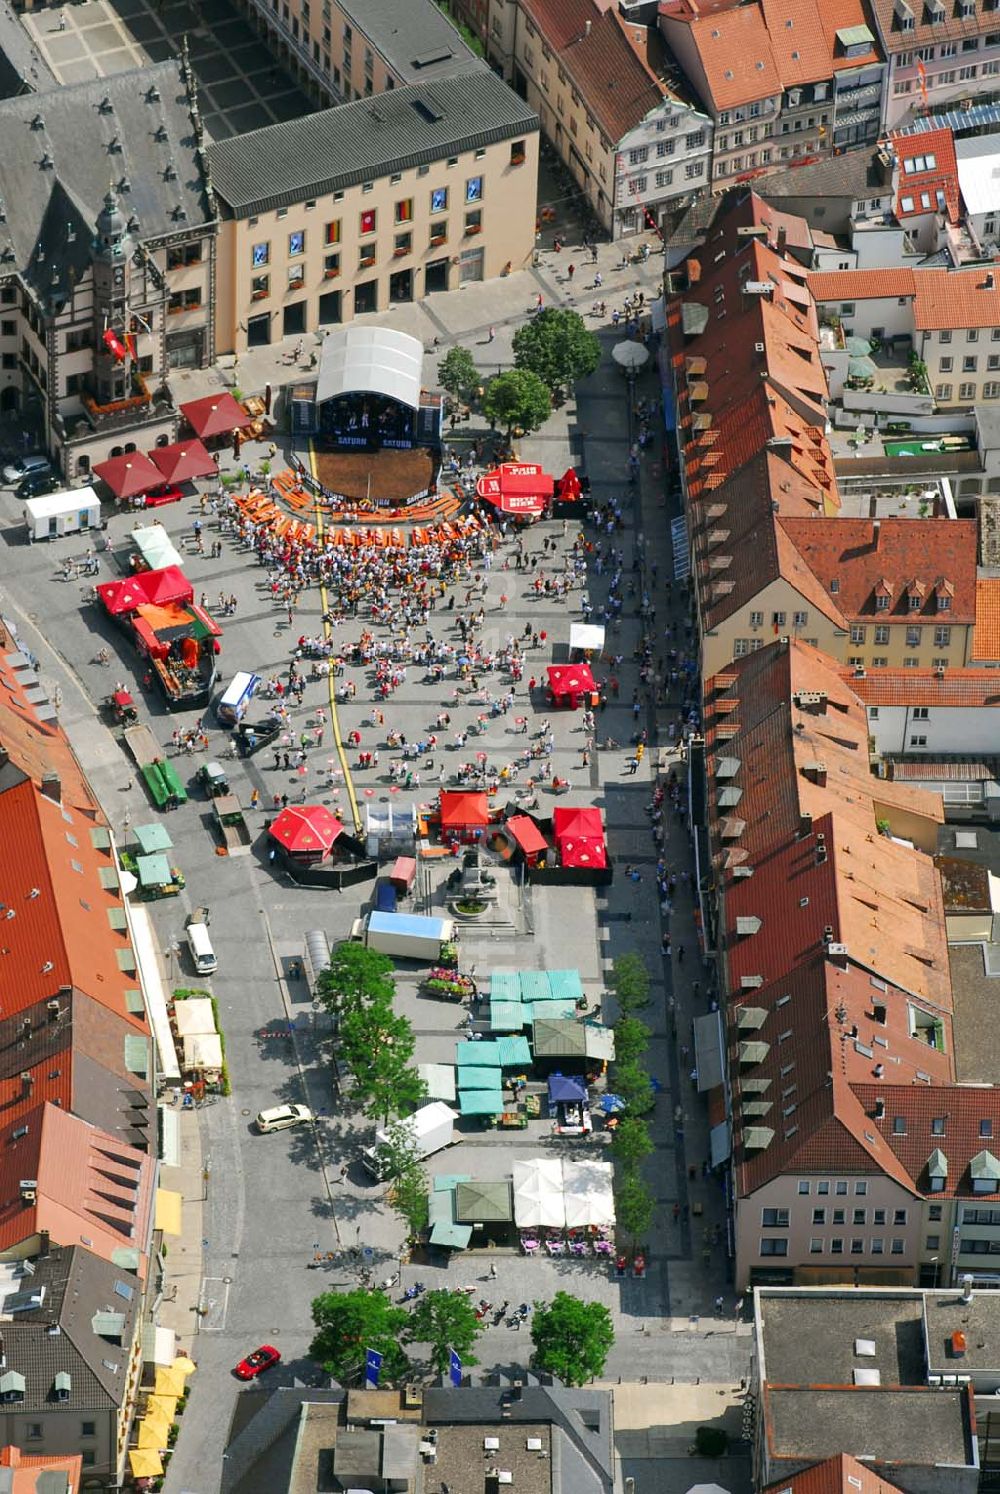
(337, 148)
(855, 174)
(416, 39)
(78, 1286)
(74, 140)
(22, 66)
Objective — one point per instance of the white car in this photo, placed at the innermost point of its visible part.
(283, 1116)
(21, 466)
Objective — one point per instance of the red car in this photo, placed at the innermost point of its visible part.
(256, 1363)
(164, 492)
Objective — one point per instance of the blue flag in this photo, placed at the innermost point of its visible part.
(373, 1366)
(455, 1368)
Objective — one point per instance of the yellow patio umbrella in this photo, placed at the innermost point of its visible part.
(169, 1381)
(185, 1364)
(154, 1432)
(161, 1405)
(145, 1463)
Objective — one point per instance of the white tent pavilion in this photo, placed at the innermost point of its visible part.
(586, 635)
(194, 1017)
(538, 1194)
(588, 1194)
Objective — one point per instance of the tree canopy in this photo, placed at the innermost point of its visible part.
(378, 1048)
(408, 1197)
(517, 398)
(634, 1204)
(558, 347)
(355, 977)
(458, 374)
(445, 1320)
(348, 1324)
(630, 983)
(572, 1339)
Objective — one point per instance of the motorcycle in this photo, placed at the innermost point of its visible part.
(413, 1292)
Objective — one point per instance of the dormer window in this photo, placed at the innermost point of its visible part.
(882, 602)
(915, 601)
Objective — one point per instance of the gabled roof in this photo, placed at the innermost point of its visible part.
(956, 299)
(986, 637)
(961, 1122)
(91, 1188)
(933, 560)
(40, 1473)
(952, 25)
(34, 745)
(919, 687)
(861, 285)
(926, 164)
(734, 49)
(838, 1475)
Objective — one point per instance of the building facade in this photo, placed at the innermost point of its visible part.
(940, 56)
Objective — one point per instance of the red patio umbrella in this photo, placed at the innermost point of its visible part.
(129, 475)
(184, 461)
(306, 828)
(215, 415)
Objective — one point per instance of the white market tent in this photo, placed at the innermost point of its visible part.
(203, 1051)
(153, 544)
(194, 1017)
(370, 360)
(586, 635)
(439, 1079)
(588, 1194)
(538, 1200)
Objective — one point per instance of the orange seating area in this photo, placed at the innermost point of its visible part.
(262, 510)
(442, 506)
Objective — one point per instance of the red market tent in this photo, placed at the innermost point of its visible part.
(527, 836)
(517, 488)
(306, 829)
(568, 486)
(579, 834)
(170, 584)
(464, 811)
(568, 682)
(215, 415)
(129, 475)
(184, 461)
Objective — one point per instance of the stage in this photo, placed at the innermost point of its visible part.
(387, 476)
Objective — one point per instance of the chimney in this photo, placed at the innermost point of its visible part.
(805, 823)
(989, 282)
(817, 772)
(51, 787)
(587, 27)
(879, 1109)
(43, 1244)
(782, 239)
(876, 530)
(966, 1289)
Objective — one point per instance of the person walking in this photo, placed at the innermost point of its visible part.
(492, 335)
(570, 271)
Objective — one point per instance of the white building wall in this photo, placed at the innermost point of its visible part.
(665, 158)
(886, 313)
(945, 729)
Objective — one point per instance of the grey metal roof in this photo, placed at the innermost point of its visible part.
(372, 360)
(416, 38)
(64, 146)
(282, 164)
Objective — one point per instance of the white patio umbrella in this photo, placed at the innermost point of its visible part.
(588, 1194)
(630, 355)
(707, 1489)
(538, 1194)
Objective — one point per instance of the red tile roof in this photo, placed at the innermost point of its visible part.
(951, 27)
(910, 687)
(35, 746)
(927, 163)
(861, 285)
(92, 1189)
(986, 635)
(562, 20)
(798, 41)
(838, 1475)
(934, 559)
(733, 47)
(956, 299)
(971, 1124)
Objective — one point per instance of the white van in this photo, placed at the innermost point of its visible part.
(240, 691)
(201, 949)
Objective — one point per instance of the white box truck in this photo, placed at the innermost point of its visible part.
(431, 1128)
(410, 936)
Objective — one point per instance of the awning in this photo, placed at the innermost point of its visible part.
(514, 1052)
(159, 1345)
(161, 587)
(193, 1016)
(460, 811)
(567, 1089)
(484, 1202)
(145, 1462)
(129, 475)
(470, 1078)
(588, 1194)
(519, 488)
(215, 415)
(720, 1144)
(559, 1039)
(586, 636)
(527, 835)
(154, 989)
(480, 1102)
(153, 871)
(183, 461)
(152, 838)
(168, 1211)
(482, 1055)
(508, 1016)
(359, 359)
(153, 544)
(583, 851)
(203, 1051)
(577, 822)
(708, 1050)
(600, 1041)
(452, 1236)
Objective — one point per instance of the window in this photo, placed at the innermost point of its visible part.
(899, 1216)
(185, 300)
(333, 232)
(183, 254)
(665, 148)
(822, 1189)
(969, 364)
(966, 391)
(331, 266)
(260, 287)
(966, 74)
(260, 255)
(815, 1247)
(637, 156)
(88, 1429)
(803, 1188)
(838, 1216)
(402, 244)
(694, 169)
(695, 139)
(664, 178)
(367, 255)
(917, 741)
(773, 1247)
(756, 619)
(836, 1246)
(896, 1248)
(800, 619)
(947, 364)
(779, 619)
(859, 1216)
(972, 335)
(934, 1211)
(841, 1189)
(296, 243)
(985, 1128)
(942, 637)
(34, 1431)
(367, 221)
(774, 1218)
(439, 233)
(878, 1216)
(819, 1216)
(439, 200)
(881, 603)
(518, 154)
(741, 647)
(474, 189)
(857, 1247)
(945, 335)
(942, 391)
(296, 277)
(474, 222)
(913, 634)
(882, 634)
(857, 633)
(991, 389)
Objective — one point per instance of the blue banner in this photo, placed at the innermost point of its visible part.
(373, 1366)
(455, 1369)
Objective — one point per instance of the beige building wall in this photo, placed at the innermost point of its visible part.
(963, 366)
(879, 1228)
(317, 253)
(902, 645)
(752, 627)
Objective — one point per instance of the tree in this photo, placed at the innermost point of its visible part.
(458, 374)
(631, 1141)
(630, 983)
(558, 347)
(634, 1205)
(377, 1045)
(348, 1324)
(572, 1339)
(631, 1039)
(517, 398)
(445, 1320)
(635, 1087)
(356, 976)
(408, 1196)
